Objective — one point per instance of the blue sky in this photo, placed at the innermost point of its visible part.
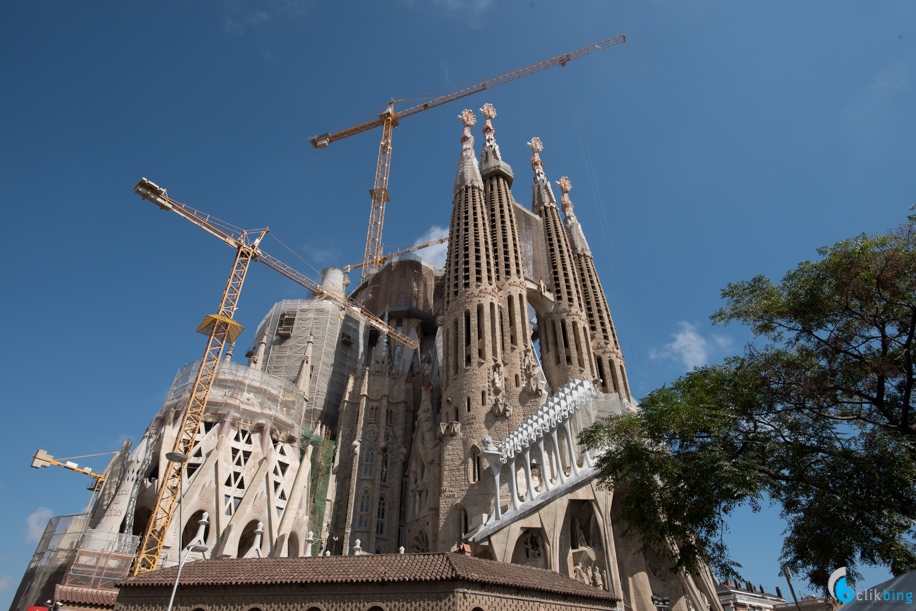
(723, 140)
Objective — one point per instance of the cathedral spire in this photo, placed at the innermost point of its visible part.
(468, 173)
(542, 194)
(573, 228)
(491, 161)
(490, 152)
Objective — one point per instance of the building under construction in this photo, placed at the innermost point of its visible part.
(330, 438)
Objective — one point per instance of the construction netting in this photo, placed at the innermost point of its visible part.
(250, 393)
(338, 345)
(319, 480)
(72, 552)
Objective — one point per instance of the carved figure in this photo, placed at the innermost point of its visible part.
(497, 380)
(501, 406)
(532, 383)
(598, 582)
(581, 541)
(579, 572)
(532, 545)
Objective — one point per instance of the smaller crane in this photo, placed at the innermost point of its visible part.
(420, 246)
(42, 459)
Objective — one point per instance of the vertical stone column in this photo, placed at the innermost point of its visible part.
(511, 327)
(474, 385)
(565, 348)
(610, 374)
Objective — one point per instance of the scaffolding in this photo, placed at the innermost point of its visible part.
(319, 480)
(338, 345)
(73, 553)
(250, 393)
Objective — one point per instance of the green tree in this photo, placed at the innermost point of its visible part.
(815, 417)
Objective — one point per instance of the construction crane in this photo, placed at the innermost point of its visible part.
(42, 459)
(420, 246)
(219, 328)
(390, 119)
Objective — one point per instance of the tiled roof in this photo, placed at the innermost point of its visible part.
(366, 569)
(85, 596)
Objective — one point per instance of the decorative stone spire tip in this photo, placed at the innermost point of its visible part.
(566, 186)
(468, 173)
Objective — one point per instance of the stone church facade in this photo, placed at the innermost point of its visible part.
(335, 440)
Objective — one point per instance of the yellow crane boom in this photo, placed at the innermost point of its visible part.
(390, 119)
(404, 251)
(42, 459)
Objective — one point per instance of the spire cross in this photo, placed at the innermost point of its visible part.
(565, 186)
(536, 164)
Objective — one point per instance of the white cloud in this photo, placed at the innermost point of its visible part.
(433, 254)
(323, 256)
(871, 108)
(6, 582)
(36, 523)
(691, 348)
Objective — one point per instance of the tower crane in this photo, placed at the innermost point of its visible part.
(42, 459)
(381, 260)
(389, 119)
(219, 328)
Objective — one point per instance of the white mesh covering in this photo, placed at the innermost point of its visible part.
(338, 344)
(251, 393)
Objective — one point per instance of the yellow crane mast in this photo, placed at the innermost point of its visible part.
(218, 328)
(390, 119)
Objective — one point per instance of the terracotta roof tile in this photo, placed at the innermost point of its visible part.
(85, 596)
(366, 569)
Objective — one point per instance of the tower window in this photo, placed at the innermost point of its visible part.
(369, 461)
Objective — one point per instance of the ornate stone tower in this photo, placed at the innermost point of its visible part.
(611, 374)
(473, 387)
(566, 352)
(518, 363)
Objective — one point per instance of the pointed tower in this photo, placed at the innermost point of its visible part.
(473, 387)
(566, 352)
(612, 374)
(514, 347)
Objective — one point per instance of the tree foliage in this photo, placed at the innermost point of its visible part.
(816, 417)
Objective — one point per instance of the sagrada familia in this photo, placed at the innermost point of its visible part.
(335, 440)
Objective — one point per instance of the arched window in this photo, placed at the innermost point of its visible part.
(420, 543)
(383, 475)
(373, 414)
(380, 516)
(389, 416)
(401, 299)
(363, 519)
(369, 461)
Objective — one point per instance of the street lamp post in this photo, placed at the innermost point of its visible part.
(195, 546)
(180, 459)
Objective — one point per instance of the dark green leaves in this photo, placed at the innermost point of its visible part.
(819, 419)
